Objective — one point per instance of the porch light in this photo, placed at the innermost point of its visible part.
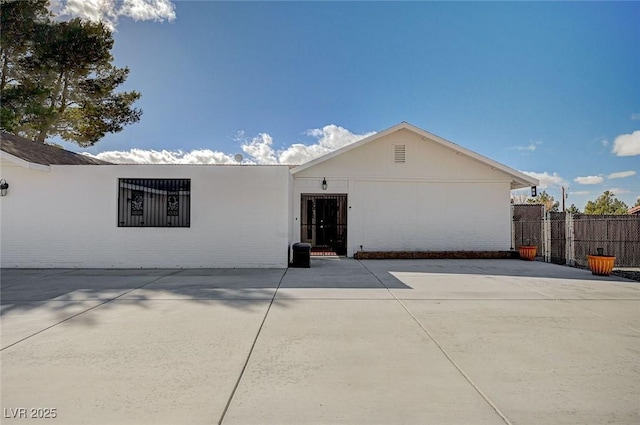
(4, 186)
(324, 184)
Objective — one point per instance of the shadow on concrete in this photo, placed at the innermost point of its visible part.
(63, 293)
(514, 268)
(32, 300)
(335, 273)
(60, 294)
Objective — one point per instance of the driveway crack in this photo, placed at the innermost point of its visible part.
(443, 351)
(253, 345)
(89, 309)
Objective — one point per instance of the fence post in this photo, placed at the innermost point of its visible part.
(513, 228)
(546, 237)
(568, 235)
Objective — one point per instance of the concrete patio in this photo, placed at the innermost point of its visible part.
(344, 342)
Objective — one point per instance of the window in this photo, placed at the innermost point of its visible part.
(154, 202)
(399, 154)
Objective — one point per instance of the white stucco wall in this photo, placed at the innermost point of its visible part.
(68, 218)
(437, 200)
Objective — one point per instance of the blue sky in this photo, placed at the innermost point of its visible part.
(551, 89)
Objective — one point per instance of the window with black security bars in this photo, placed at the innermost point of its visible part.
(154, 202)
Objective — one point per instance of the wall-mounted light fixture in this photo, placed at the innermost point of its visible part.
(324, 183)
(4, 186)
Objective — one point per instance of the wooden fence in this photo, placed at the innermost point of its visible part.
(618, 235)
(527, 225)
(564, 238)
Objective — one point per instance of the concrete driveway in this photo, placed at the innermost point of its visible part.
(345, 342)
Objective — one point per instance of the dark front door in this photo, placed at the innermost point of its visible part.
(324, 223)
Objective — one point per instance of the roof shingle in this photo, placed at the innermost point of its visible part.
(39, 153)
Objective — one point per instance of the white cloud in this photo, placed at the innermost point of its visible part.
(580, 192)
(605, 143)
(547, 180)
(627, 144)
(635, 116)
(618, 191)
(109, 11)
(92, 10)
(530, 147)
(147, 10)
(589, 180)
(329, 138)
(259, 150)
(141, 156)
(621, 174)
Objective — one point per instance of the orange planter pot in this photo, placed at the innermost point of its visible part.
(528, 252)
(601, 265)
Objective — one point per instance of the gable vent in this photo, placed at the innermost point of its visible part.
(399, 154)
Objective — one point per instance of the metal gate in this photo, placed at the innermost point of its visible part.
(527, 225)
(558, 228)
(323, 223)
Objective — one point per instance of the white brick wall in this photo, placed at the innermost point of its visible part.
(430, 216)
(68, 218)
(248, 216)
(437, 200)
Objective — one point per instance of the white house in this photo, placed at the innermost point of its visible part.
(402, 189)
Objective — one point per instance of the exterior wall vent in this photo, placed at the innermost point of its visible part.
(399, 154)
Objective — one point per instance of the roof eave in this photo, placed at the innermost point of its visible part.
(23, 163)
(346, 148)
(522, 183)
(519, 180)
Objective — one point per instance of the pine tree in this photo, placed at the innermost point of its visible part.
(58, 78)
(545, 199)
(606, 203)
(573, 209)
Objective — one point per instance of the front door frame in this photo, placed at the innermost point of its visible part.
(326, 231)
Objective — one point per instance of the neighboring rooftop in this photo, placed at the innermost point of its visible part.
(40, 153)
(634, 210)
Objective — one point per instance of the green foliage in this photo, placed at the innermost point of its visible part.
(606, 203)
(545, 199)
(20, 21)
(637, 204)
(57, 77)
(573, 209)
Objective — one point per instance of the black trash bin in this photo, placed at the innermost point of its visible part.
(301, 255)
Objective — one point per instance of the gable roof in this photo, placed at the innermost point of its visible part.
(29, 152)
(518, 180)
